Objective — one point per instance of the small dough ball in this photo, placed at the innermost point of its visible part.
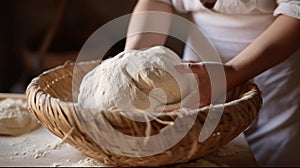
(15, 119)
(136, 80)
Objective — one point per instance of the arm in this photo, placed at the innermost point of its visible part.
(140, 22)
(273, 46)
(270, 48)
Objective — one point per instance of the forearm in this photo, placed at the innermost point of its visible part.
(139, 36)
(273, 46)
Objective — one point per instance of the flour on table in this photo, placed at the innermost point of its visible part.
(88, 162)
(137, 80)
(24, 148)
(15, 119)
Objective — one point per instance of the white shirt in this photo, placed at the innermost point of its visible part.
(232, 25)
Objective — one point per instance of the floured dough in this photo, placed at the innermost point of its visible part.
(15, 119)
(136, 80)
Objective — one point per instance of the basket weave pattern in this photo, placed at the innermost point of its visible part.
(50, 98)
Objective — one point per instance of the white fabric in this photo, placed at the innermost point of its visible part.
(290, 8)
(287, 7)
(232, 25)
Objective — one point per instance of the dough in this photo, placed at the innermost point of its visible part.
(15, 119)
(136, 80)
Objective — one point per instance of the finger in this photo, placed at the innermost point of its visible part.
(189, 67)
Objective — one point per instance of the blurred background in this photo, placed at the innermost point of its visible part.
(56, 29)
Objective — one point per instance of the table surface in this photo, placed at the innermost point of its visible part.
(42, 148)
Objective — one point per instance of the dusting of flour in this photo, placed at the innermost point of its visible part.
(206, 161)
(25, 148)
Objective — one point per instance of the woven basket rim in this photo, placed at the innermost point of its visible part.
(248, 84)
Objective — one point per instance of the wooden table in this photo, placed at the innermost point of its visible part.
(42, 148)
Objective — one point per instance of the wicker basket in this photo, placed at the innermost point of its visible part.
(50, 98)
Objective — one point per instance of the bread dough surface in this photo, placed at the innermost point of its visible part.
(136, 80)
(15, 119)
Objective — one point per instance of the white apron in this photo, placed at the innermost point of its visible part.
(275, 137)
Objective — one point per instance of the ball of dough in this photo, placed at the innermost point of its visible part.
(136, 80)
(15, 119)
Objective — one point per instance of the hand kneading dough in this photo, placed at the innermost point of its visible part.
(15, 119)
(136, 80)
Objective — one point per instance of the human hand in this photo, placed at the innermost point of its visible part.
(204, 84)
(211, 85)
